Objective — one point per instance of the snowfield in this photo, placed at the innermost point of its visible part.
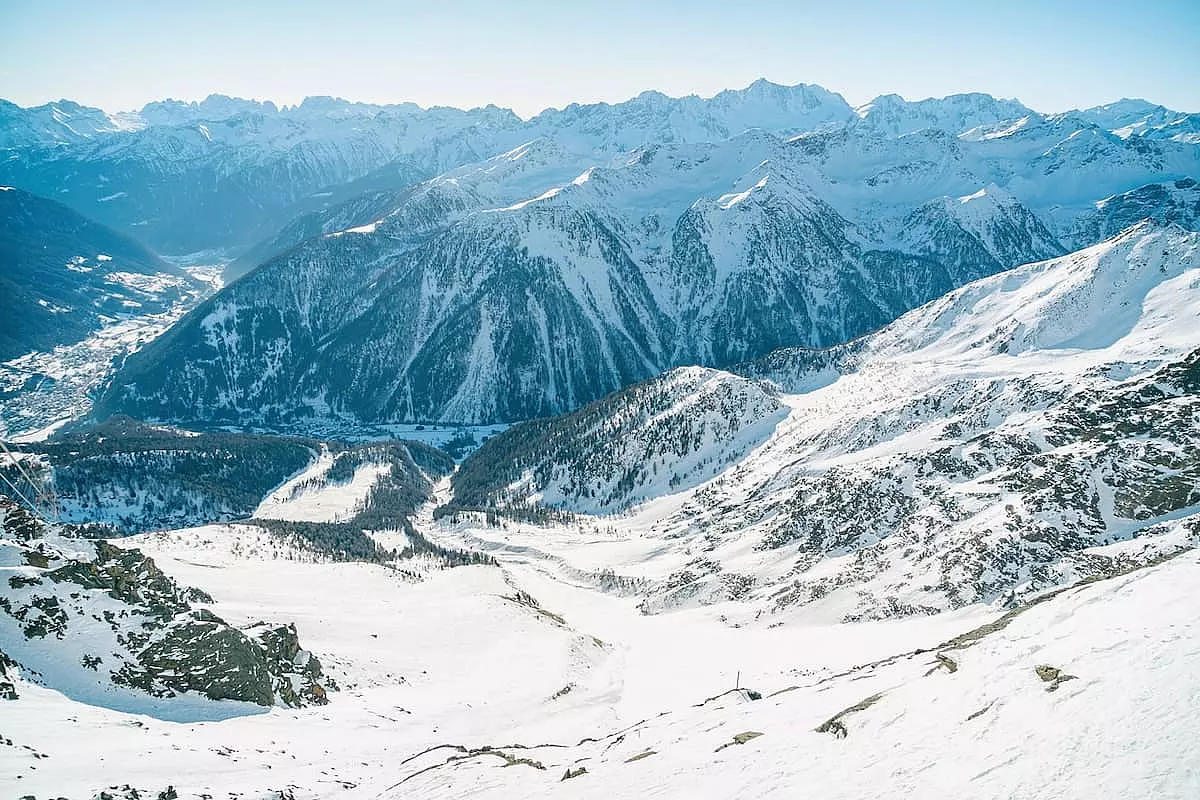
(453, 687)
(308, 497)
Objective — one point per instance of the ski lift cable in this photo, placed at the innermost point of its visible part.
(39, 487)
(17, 492)
(17, 462)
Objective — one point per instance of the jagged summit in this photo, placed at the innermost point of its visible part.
(203, 158)
(955, 113)
(485, 258)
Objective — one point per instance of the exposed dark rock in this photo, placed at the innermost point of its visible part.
(740, 738)
(161, 645)
(128, 576)
(1052, 676)
(206, 657)
(297, 670)
(835, 725)
(19, 523)
(8, 691)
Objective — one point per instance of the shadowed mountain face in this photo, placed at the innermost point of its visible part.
(62, 275)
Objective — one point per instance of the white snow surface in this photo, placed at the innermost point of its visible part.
(453, 660)
(310, 496)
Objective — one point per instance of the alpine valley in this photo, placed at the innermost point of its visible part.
(755, 445)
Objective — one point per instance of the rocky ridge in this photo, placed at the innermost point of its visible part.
(103, 624)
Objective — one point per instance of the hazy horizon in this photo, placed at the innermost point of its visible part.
(530, 56)
(526, 116)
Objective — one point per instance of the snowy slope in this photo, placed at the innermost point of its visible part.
(1170, 201)
(954, 557)
(985, 446)
(641, 236)
(668, 434)
(463, 685)
(58, 123)
(459, 267)
(973, 717)
(876, 596)
(105, 627)
(226, 172)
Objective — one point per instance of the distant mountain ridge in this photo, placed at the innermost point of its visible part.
(224, 172)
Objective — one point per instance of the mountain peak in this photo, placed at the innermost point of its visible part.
(764, 86)
(653, 96)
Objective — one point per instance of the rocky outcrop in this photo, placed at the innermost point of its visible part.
(7, 690)
(103, 614)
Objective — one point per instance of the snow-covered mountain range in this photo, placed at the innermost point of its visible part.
(865, 461)
(567, 267)
(225, 172)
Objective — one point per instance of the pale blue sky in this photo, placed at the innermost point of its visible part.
(527, 55)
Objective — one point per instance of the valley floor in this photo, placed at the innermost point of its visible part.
(42, 391)
(500, 681)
